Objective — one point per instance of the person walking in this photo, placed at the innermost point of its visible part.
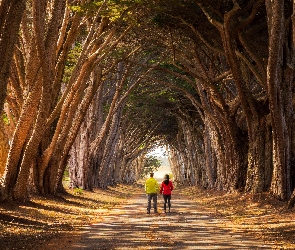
(166, 190)
(152, 189)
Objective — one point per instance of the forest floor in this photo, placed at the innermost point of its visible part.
(116, 218)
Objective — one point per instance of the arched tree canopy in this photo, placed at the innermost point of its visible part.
(93, 86)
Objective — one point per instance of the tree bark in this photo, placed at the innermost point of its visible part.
(80, 115)
(47, 65)
(20, 135)
(11, 12)
(276, 87)
(4, 149)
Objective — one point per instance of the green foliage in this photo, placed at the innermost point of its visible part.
(151, 108)
(66, 173)
(151, 164)
(78, 191)
(114, 9)
(86, 7)
(66, 177)
(72, 61)
(5, 119)
(177, 80)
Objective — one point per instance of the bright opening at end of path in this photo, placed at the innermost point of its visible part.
(161, 155)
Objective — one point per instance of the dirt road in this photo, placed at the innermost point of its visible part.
(186, 227)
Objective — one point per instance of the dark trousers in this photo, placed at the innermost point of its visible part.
(150, 198)
(167, 198)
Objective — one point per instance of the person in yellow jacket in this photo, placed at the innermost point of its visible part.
(152, 189)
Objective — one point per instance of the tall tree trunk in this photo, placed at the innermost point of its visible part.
(11, 12)
(176, 165)
(120, 162)
(4, 148)
(20, 135)
(277, 87)
(79, 166)
(109, 151)
(47, 63)
(76, 124)
(259, 154)
(210, 158)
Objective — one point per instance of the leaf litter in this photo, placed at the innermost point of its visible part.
(31, 224)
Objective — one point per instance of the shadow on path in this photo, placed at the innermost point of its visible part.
(186, 227)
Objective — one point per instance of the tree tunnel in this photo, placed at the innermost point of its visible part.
(93, 86)
(152, 115)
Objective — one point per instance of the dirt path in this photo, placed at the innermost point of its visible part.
(186, 227)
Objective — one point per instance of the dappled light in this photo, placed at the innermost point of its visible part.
(116, 219)
(95, 96)
(27, 225)
(188, 226)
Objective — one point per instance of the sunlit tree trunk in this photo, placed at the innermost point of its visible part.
(11, 12)
(47, 63)
(75, 126)
(68, 103)
(20, 135)
(4, 148)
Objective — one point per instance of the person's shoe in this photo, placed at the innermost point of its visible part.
(148, 212)
(165, 211)
(156, 211)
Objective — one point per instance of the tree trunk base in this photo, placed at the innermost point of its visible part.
(291, 201)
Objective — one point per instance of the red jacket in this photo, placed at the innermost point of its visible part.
(166, 189)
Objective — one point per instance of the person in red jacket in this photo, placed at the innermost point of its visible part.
(166, 189)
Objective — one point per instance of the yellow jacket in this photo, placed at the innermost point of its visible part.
(151, 186)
